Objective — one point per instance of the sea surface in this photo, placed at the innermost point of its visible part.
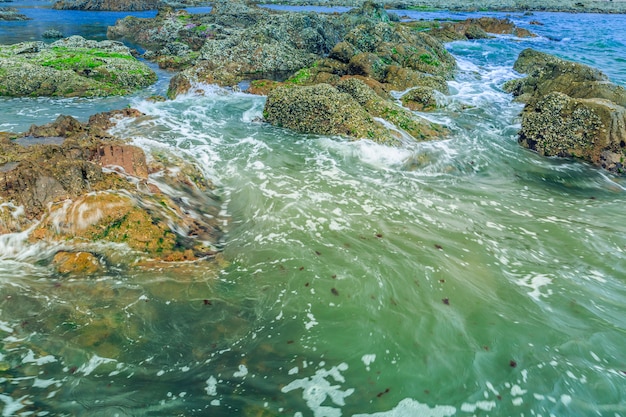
(465, 277)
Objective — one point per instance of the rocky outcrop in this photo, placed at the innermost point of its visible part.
(238, 42)
(572, 110)
(11, 13)
(350, 109)
(112, 5)
(71, 67)
(75, 186)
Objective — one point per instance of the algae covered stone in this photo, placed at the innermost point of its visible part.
(349, 109)
(321, 109)
(572, 110)
(71, 67)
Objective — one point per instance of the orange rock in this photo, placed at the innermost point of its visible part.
(76, 263)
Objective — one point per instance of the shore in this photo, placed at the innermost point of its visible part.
(571, 6)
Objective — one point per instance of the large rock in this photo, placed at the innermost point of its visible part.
(590, 129)
(321, 109)
(547, 73)
(349, 110)
(75, 184)
(571, 110)
(71, 67)
(113, 5)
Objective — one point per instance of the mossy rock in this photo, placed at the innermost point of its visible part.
(71, 67)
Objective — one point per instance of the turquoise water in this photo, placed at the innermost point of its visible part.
(454, 278)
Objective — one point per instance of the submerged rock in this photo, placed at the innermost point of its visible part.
(571, 110)
(74, 184)
(52, 34)
(71, 67)
(76, 263)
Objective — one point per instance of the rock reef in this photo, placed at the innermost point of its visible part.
(572, 110)
(333, 73)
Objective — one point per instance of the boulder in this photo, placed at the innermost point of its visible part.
(404, 120)
(71, 67)
(350, 110)
(547, 73)
(572, 110)
(322, 109)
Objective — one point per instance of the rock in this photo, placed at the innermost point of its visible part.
(76, 263)
(348, 110)
(419, 128)
(11, 13)
(479, 28)
(400, 78)
(71, 67)
(130, 159)
(112, 5)
(166, 33)
(322, 109)
(56, 188)
(571, 110)
(547, 73)
(593, 130)
(419, 99)
(52, 34)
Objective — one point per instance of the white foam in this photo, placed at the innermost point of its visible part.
(411, 407)
(242, 372)
(211, 386)
(368, 360)
(536, 282)
(94, 362)
(317, 389)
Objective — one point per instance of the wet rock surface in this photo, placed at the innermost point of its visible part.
(572, 110)
(349, 109)
(80, 187)
(71, 67)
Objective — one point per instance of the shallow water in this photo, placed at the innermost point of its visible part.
(454, 278)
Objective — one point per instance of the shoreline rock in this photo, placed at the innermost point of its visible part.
(571, 110)
(71, 67)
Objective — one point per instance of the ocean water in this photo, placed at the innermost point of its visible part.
(466, 277)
